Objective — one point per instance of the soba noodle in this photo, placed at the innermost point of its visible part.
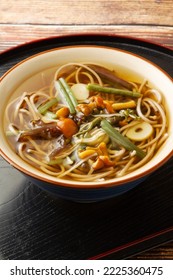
(89, 124)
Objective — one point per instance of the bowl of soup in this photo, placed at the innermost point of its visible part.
(86, 123)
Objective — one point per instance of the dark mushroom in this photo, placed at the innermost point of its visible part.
(109, 75)
(46, 132)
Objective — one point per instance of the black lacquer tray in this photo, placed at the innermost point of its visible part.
(35, 225)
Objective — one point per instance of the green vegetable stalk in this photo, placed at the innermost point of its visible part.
(95, 87)
(69, 91)
(121, 140)
(67, 94)
(45, 107)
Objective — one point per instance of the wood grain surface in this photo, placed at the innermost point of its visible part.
(22, 21)
(87, 12)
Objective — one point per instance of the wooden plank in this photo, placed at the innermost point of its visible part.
(87, 12)
(12, 35)
(164, 252)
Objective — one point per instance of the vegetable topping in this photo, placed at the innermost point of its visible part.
(88, 121)
(140, 132)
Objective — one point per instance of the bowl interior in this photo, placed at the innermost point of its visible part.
(37, 71)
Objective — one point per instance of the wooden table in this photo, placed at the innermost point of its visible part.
(26, 20)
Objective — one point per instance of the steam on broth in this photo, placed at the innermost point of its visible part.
(87, 121)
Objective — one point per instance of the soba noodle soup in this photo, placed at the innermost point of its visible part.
(89, 124)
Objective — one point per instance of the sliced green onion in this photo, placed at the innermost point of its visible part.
(120, 139)
(95, 87)
(43, 108)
